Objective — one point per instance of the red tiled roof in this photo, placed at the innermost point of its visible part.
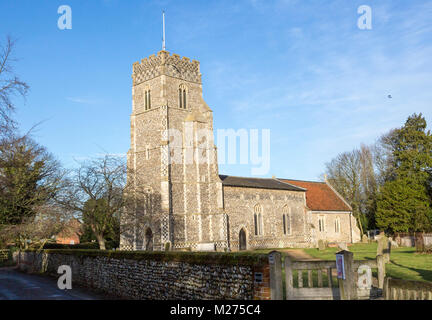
(319, 196)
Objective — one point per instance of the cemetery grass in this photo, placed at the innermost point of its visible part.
(405, 263)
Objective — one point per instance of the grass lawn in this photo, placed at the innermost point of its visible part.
(405, 262)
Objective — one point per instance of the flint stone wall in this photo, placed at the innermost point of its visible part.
(154, 278)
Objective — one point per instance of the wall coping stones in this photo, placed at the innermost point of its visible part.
(210, 258)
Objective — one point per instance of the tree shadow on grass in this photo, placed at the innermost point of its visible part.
(425, 274)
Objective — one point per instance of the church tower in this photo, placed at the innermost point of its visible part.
(173, 157)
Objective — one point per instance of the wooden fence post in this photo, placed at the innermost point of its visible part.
(386, 291)
(347, 286)
(276, 292)
(289, 278)
(381, 270)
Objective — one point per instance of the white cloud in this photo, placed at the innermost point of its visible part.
(84, 100)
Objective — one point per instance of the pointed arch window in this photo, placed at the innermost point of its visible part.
(337, 225)
(258, 220)
(147, 100)
(286, 220)
(321, 223)
(182, 97)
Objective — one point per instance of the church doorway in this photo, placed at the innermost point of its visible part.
(242, 239)
(149, 240)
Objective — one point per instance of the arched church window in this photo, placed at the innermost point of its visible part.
(321, 223)
(286, 219)
(258, 220)
(182, 96)
(337, 225)
(147, 99)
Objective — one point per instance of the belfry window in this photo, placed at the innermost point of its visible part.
(182, 97)
(147, 100)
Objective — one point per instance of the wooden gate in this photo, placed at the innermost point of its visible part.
(317, 280)
(319, 284)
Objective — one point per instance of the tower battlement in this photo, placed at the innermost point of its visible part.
(168, 64)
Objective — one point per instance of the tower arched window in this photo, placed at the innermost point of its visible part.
(182, 97)
(258, 220)
(147, 100)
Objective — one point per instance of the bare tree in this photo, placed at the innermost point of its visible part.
(34, 232)
(99, 191)
(344, 173)
(383, 151)
(10, 86)
(358, 175)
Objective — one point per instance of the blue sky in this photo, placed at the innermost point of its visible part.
(302, 69)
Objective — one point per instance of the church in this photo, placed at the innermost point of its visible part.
(174, 159)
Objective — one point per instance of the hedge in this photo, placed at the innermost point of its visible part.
(221, 258)
(86, 245)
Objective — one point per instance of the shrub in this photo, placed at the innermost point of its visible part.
(109, 245)
(237, 258)
(85, 245)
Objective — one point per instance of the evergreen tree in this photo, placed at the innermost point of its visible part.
(29, 177)
(404, 202)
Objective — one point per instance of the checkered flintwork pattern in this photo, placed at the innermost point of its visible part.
(164, 142)
(165, 230)
(166, 64)
(185, 245)
(225, 226)
(221, 245)
(269, 243)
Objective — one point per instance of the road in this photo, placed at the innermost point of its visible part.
(15, 285)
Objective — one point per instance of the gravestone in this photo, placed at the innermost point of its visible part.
(393, 242)
(398, 240)
(321, 245)
(365, 239)
(384, 247)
